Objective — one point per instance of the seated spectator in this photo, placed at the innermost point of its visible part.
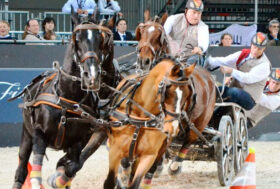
(109, 7)
(31, 32)
(4, 30)
(80, 6)
(249, 70)
(269, 102)
(226, 40)
(48, 28)
(50, 36)
(273, 35)
(121, 33)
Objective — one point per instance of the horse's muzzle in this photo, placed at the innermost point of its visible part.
(91, 83)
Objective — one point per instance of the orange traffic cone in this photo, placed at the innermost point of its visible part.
(27, 182)
(246, 178)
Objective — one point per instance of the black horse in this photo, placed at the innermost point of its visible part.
(58, 104)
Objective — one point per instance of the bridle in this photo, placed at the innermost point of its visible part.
(156, 53)
(181, 81)
(90, 26)
(90, 54)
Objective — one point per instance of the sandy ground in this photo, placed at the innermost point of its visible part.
(195, 175)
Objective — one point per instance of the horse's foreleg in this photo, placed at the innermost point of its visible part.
(66, 167)
(157, 167)
(149, 176)
(97, 138)
(24, 155)
(39, 149)
(144, 164)
(114, 162)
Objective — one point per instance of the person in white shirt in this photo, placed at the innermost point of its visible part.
(109, 7)
(249, 70)
(80, 6)
(187, 34)
(269, 102)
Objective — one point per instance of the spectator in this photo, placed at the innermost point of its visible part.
(31, 32)
(80, 6)
(109, 7)
(4, 30)
(226, 40)
(269, 102)
(48, 28)
(121, 33)
(187, 34)
(249, 70)
(273, 35)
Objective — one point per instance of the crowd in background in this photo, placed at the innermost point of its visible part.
(106, 7)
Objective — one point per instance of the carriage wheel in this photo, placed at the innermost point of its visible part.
(225, 151)
(241, 133)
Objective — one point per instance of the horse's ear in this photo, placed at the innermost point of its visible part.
(112, 22)
(74, 18)
(188, 70)
(164, 18)
(138, 32)
(175, 70)
(147, 15)
(156, 19)
(95, 16)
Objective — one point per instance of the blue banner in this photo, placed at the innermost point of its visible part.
(12, 81)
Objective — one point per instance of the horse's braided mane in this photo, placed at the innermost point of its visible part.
(166, 56)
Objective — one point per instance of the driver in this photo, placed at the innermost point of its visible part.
(269, 102)
(249, 70)
(187, 34)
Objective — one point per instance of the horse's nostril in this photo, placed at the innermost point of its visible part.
(86, 74)
(147, 61)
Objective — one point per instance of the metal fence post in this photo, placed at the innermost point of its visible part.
(256, 12)
(141, 10)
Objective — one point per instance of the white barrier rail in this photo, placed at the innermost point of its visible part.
(58, 42)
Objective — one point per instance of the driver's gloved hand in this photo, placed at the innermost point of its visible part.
(207, 64)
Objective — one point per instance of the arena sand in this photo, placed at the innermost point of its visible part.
(195, 175)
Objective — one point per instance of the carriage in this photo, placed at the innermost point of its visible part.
(224, 140)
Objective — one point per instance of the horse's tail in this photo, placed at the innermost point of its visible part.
(17, 96)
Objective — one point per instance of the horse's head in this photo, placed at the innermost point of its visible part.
(90, 43)
(152, 42)
(175, 89)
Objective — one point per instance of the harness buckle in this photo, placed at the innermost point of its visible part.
(63, 120)
(76, 107)
(74, 78)
(99, 121)
(85, 114)
(134, 137)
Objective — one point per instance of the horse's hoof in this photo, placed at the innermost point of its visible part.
(120, 185)
(52, 179)
(158, 171)
(17, 185)
(175, 168)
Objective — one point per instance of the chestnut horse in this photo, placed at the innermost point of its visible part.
(148, 113)
(152, 41)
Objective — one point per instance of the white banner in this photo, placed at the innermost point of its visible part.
(241, 35)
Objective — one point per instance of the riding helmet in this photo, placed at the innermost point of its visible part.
(260, 40)
(195, 5)
(275, 74)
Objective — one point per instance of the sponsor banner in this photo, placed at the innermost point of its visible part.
(12, 82)
(241, 35)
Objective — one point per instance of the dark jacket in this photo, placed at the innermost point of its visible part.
(272, 41)
(129, 36)
(6, 38)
